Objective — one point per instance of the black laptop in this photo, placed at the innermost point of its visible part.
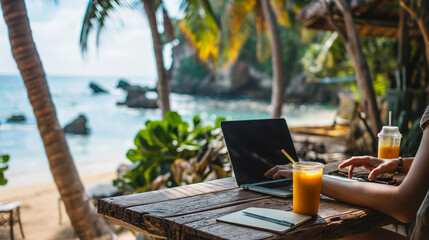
(254, 146)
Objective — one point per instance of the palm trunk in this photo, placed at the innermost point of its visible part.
(279, 78)
(422, 22)
(85, 221)
(163, 85)
(403, 51)
(361, 67)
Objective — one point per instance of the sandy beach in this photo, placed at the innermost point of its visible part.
(40, 214)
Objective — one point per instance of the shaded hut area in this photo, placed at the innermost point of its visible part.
(406, 96)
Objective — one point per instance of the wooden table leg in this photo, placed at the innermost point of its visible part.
(20, 224)
(11, 223)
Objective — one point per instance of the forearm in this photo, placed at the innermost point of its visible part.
(383, 198)
(400, 202)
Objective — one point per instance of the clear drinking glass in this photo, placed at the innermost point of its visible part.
(307, 183)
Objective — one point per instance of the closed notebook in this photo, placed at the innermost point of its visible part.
(239, 218)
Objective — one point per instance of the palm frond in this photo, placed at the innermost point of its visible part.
(263, 50)
(201, 28)
(236, 27)
(282, 13)
(99, 14)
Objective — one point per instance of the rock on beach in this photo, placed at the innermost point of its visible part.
(77, 126)
(96, 88)
(16, 118)
(136, 97)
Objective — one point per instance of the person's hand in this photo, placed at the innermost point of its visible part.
(280, 171)
(377, 166)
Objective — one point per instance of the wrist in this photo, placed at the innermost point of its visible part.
(399, 168)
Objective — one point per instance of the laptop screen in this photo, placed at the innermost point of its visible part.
(254, 146)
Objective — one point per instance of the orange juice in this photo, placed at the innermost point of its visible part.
(307, 183)
(389, 142)
(388, 152)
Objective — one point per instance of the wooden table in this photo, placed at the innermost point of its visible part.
(190, 212)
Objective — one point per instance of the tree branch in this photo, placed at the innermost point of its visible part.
(423, 29)
(331, 19)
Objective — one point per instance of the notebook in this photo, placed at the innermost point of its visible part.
(240, 218)
(254, 146)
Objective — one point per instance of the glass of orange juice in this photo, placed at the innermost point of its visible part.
(307, 183)
(389, 141)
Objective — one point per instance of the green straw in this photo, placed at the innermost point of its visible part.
(287, 155)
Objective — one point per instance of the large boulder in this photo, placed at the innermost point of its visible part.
(136, 98)
(239, 79)
(123, 83)
(16, 118)
(96, 88)
(77, 126)
(139, 101)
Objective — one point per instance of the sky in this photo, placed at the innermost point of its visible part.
(56, 30)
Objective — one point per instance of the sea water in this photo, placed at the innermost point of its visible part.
(112, 127)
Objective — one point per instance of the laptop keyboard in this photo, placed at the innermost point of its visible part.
(277, 184)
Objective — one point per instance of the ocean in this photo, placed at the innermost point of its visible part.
(112, 127)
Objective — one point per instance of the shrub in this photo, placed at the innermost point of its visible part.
(170, 153)
(3, 167)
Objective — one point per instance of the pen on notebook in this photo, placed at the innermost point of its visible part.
(273, 220)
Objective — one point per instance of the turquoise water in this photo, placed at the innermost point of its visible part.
(112, 127)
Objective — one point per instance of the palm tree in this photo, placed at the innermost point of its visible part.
(97, 13)
(279, 78)
(220, 42)
(79, 209)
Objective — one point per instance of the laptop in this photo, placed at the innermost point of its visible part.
(254, 146)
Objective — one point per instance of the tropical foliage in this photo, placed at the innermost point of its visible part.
(190, 68)
(3, 167)
(102, 13)
(170, 153)
(220, 29)
(329, 58)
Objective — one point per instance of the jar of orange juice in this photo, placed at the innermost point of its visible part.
(389, 141)
(307, 183)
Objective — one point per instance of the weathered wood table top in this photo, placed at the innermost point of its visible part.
(190, 212)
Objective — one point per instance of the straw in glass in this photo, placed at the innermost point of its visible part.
(289, 157)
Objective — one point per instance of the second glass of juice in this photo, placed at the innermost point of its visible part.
(389, 141)
(307, 183)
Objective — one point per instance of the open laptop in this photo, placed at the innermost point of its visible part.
(254, 146)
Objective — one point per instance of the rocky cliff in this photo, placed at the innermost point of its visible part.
(241, 79)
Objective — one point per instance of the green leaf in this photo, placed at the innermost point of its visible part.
(3, 181)
(143, 137)
(134, 155)
(5, 158)
(218, 121)
(172, 118)
(159, 134)
(196, 121)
